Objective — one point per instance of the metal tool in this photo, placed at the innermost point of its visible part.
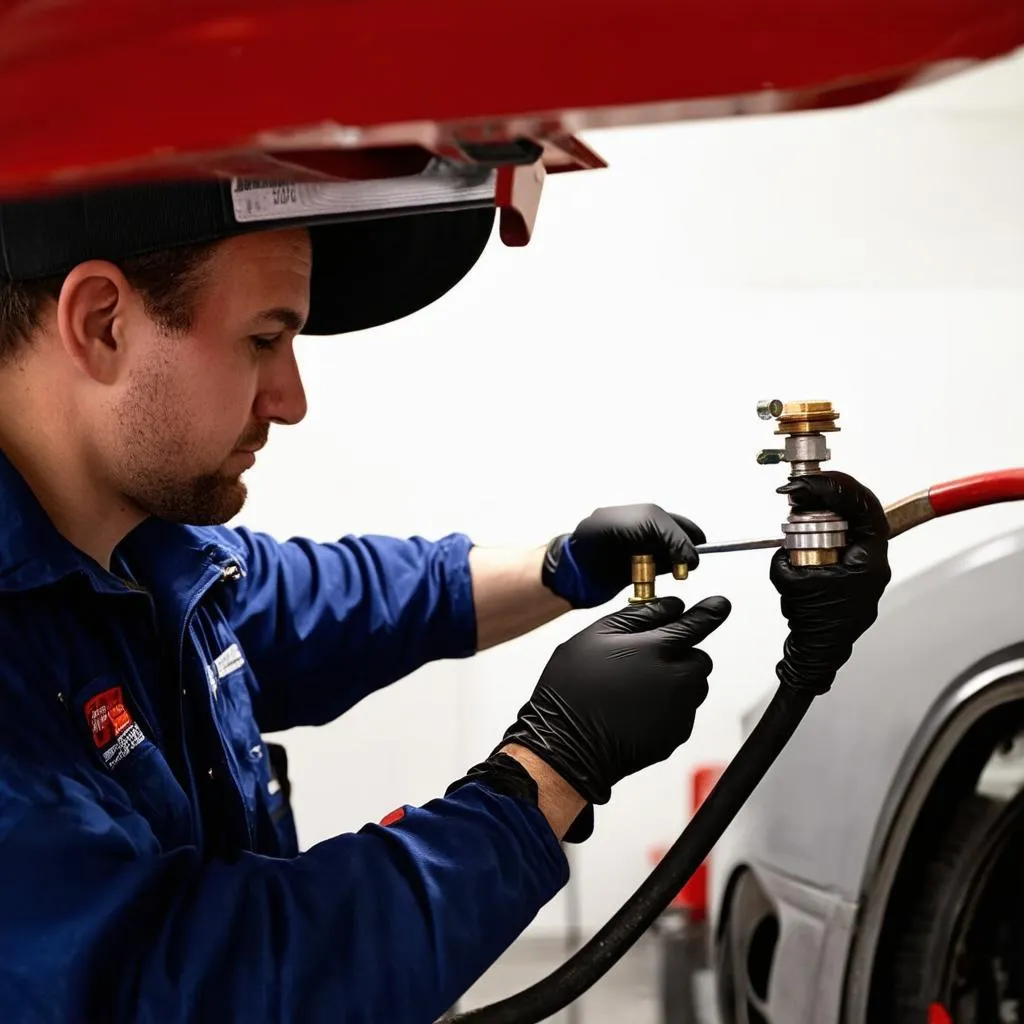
(740, 545)
(811, 538)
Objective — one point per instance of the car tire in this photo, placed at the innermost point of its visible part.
(937, 922)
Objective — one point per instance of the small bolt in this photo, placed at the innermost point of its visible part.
(769, 409)
(770, 456)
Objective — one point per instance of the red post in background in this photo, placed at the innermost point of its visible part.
(682, 930)
(693, 897)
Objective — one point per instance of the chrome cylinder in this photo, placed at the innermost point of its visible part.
(814, 538)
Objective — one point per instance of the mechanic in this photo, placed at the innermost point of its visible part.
(150, 861)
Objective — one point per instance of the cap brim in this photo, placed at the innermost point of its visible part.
(373, 272)
(367, 270)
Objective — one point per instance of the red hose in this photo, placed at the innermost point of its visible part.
(955, 496)
(975, 491)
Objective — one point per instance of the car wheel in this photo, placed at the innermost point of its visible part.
(955, 934)
(745, 953)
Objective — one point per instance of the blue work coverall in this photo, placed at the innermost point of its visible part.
(148, 860)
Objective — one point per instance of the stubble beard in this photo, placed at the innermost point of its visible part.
(154, 442)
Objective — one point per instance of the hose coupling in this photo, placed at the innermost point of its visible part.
(814, 538)
(811, 538)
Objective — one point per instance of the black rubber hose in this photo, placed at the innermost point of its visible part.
(656, 892)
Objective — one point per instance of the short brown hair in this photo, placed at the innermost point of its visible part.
(168, 281)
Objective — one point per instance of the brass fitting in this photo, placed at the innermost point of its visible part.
(822, 557)
(807, 418)
(644, 575)
(643, 579)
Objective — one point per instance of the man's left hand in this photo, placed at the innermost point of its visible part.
(594, 563)
(829, 607)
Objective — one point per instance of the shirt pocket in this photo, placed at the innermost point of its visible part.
(119, 740)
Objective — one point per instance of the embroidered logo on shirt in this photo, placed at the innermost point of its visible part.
(229, 661)
(114, 731)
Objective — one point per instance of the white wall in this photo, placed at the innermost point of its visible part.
(873, 256)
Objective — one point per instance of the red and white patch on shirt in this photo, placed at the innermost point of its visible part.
(114, 731)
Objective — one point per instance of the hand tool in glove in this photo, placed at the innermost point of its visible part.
(594, 563)
(829, 607)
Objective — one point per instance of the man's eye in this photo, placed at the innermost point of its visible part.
(265, 342)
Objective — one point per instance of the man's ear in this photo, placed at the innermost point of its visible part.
(91, 311)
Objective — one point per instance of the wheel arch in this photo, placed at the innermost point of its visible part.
(995, 681)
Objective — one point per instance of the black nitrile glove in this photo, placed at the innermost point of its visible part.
(594, 563)
(829, 607)
(619, 696)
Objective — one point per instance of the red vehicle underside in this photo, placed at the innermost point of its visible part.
(98, 91)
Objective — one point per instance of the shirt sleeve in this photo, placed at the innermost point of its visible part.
(324, 625)
(392, 923)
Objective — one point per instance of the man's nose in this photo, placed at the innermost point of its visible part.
(282, 398)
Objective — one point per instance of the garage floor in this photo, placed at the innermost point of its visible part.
(627, 993)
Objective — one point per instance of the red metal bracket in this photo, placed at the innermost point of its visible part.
(517, 197)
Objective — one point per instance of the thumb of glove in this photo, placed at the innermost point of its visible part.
(641, 618)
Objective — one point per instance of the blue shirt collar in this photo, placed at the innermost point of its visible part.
(33, 553)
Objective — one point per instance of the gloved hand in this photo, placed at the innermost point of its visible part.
(829, 607)
(619, 696)
(594, 563)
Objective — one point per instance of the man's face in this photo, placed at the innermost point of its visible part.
(194, 408)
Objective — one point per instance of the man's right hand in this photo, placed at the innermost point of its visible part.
(619, 696)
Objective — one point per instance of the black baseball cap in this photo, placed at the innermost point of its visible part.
(382, 248)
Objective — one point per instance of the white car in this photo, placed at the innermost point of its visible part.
(876, 876)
